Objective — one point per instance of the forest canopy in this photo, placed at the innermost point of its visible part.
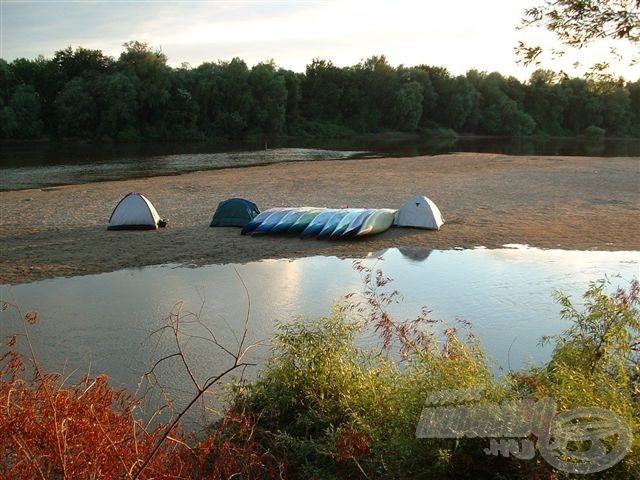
(82, 93)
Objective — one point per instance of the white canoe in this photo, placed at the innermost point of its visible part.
(377, 222)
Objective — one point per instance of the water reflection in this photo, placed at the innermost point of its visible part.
(104, 322)
(21, 169)
(33, 166)
(414, 254)
(412, 145)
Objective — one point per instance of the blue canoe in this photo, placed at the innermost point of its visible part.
(317, 224)
(256, 221)
(289, 219)
(356, 224)
(271, 221)
(345, 222)
(331, 223)
(301, 224)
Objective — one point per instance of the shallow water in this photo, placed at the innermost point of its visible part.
(41, 171)
(105, 322)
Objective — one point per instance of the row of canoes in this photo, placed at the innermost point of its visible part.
(321, 222)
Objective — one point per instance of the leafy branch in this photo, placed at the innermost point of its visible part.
(579, 23)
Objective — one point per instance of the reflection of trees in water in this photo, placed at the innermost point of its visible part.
(54, 164)
(410, 145)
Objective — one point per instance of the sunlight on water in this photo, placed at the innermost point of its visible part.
(104, 322)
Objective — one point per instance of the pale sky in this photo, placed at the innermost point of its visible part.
(457, 34)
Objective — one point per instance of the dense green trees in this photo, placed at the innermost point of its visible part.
(82, 93)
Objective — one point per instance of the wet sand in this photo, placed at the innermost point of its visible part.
(486, 199)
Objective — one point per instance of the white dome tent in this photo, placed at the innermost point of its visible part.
(134, 212)
(419, 212)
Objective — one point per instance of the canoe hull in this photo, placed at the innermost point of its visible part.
(345, 222)
(317, 224)
(331, 224)
(378, 222)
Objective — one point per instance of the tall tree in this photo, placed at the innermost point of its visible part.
(207, 93)
(322, 90)
(293, 115)
(82, 62)
(500, 109)
(182, 108)
(407, 109)
(26, 108)
(236, 101)
(377, 83)
(420, 74)
(44, 76)
(545, 101)
(617, 112)
(634, 97)
(148, 71)
(118, 117)
(269, 94)
(76, 110)
(457, 101)
(7, 80)
(584, 106)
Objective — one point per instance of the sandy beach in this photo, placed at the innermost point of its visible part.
(486, 199)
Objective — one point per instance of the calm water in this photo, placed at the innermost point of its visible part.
(105, 322)
(24, 166)
(44, 168)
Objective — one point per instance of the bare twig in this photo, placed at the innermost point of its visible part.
(174, 325)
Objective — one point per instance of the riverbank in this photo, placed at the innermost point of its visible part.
(487, 199)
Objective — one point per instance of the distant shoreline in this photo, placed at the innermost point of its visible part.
(487, 200)
(51, 164)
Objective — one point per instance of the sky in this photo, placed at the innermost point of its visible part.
(456, 34)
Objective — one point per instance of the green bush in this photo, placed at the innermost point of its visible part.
(594, 132)
(339, 407)
(596, 362)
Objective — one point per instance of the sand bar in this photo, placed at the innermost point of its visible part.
(586, 203)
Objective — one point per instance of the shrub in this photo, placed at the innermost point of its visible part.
(593, 131)
(340, 408)
(90, 430)
(596, 364)
(331, 405)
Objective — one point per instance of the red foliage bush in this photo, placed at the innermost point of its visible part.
(233, 450)
(82, 432)
(90, 431)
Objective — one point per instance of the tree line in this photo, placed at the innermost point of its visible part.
(83, 93)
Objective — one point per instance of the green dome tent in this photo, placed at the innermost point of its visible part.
(234, 212)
